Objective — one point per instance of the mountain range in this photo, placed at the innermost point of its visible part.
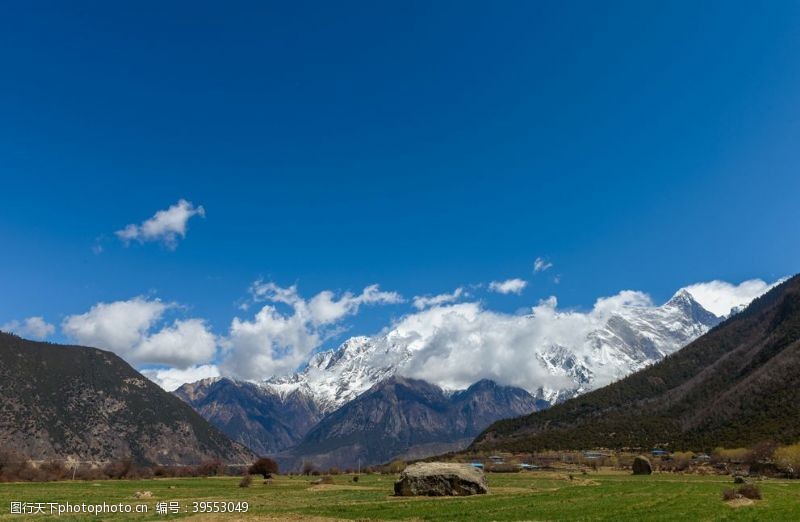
(735, 386)
(406, 418)
(355, 403)
(735, 382)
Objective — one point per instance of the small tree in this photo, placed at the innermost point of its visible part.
(210, 468)
(761, 452)
(308, 467)
(396, 466)
(788, 459)
(264, 467)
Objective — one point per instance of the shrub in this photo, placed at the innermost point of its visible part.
(264, 467)
(681, 460)
(12, 466)
(246, 481)
(503, 468)
(787, 459)
(89, 473)
(396, 466)
(53, 470)
(119, 469)
(750, 491)
(355, 478)
(761, 452)
(736, 455)
(210, 468)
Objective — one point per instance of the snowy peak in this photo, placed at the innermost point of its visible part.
(338, 376)
(688, 305)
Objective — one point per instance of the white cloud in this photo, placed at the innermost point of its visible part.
(424, 301)
(119, 326)
(509, 286)
(165, 226)
(128, 328)
(276, 341)
(33, 327)
(184, 343)
(457, 345)
(719, 297)
(171, 378)
(326, 308)
(541, 264)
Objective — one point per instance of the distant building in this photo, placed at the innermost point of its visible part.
(593, 455)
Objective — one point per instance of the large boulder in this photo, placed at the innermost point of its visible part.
(641, 466)
(438, 479)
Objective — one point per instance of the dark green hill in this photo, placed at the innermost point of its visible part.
(737, 385)
(60, 401)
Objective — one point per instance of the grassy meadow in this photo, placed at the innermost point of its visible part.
(513, 496)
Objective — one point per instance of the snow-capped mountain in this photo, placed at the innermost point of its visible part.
(338, 376)
(292, 416)
(631, 338)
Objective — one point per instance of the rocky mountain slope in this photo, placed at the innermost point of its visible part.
(253, 415)
(402, 417)
(737, 385)
(72, 401)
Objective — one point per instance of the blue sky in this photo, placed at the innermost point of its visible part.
(420, 146)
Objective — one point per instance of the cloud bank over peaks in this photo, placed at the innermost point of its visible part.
(445, 338)
(285, 331)
(720, 297)
(455, 346)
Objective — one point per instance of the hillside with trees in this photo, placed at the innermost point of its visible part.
(88, 404)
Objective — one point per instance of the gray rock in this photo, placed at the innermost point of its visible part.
(641, 466)
(438, 479)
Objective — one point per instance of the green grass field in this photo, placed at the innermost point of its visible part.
(519, 496)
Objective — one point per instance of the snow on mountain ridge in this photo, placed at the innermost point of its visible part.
(627, 339)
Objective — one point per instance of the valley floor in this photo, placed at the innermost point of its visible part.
(516, 496)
